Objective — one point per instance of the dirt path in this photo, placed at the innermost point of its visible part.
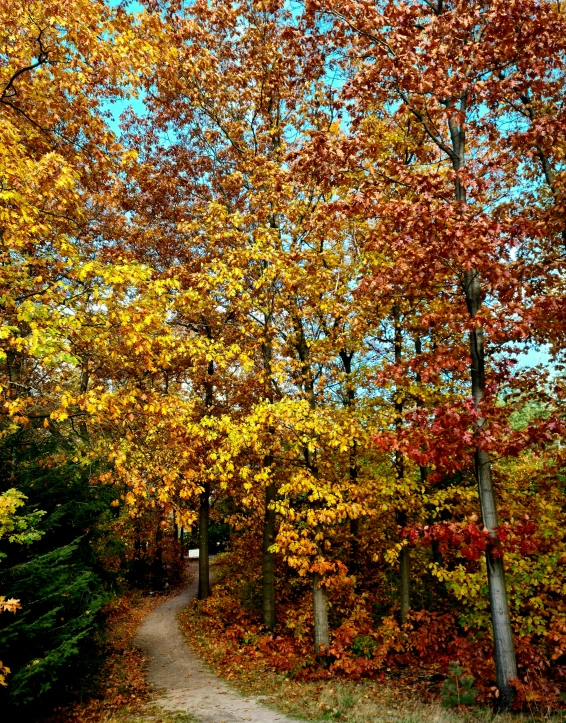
(182, 681)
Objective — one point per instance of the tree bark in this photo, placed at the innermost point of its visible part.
(204, 507)
(401, 515)
(404, 572)
(158, 556)
(268, 588)
(320, 610)
(346, 358)
(355, 532)
(268, 568)
(505, 662)
(319, 597)
(354, 523)
(203, 561)
(405, 583)
(504, 650)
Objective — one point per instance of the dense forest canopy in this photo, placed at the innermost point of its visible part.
(294, 298)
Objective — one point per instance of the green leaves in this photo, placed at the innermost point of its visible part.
(14, 526)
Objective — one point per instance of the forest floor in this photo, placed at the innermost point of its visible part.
(153, 676)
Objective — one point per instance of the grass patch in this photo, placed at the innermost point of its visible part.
(371, 702)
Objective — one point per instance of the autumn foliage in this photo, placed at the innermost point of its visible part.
(295, 272)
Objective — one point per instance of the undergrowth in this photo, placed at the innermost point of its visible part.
(239, 650)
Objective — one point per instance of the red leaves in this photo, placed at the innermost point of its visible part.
(471, 540)
(519, 537)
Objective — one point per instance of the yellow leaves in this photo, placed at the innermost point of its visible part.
(59, 415)
(10, 605)
(392, 554)
(10, 501)
(461, 582)
(4, 671)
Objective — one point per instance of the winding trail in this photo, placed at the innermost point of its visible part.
(182, 681)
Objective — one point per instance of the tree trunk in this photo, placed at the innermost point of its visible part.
(204, 508)
(203, 561)
(401, 515)
(268, 570)
(355, 530)
(404, 572)
(182, 542)
(405, 583)
(158, 557)
(319, 598)
(346, 358)
(355, 546)
(320, 610)
(505, 663)
(268, 589)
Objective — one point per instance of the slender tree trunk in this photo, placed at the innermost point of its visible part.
(176, 536)
(320, 610)
(268, 589)
(158, 556)
(182, 542)
(204, 507)
(355, 532)
(404, 572)
(319, 602)
(319, 596)
(268, 570)
(203, 560)
(505, 662)
(354, 523)
(405, 583)
(346, 358)
(401, 515)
